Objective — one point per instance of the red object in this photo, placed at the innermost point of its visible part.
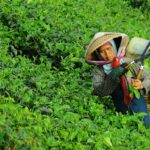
(116, 63)
(127, 99)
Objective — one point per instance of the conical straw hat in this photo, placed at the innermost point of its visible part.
(99, 39)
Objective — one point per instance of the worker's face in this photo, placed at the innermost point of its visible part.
(107, 52)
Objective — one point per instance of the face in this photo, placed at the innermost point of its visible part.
(107, 52)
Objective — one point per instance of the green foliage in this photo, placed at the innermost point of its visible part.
(46, 99)
(143, 5)
(147, 64)
(134, 91)
(59, 29)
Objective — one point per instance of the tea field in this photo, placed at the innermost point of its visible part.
(46, 99)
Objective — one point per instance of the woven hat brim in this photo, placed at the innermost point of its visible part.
(96, 43)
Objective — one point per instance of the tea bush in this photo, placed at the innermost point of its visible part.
(143, 5)
(46, 99)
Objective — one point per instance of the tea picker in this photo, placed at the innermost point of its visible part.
(117, 67)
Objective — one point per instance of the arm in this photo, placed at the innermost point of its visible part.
(103, 85)
(146, 81)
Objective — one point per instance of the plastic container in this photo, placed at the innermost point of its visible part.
(136, 47)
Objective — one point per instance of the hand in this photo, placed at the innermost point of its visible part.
(118, 71)
(137, 84)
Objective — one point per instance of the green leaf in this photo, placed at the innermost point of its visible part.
(107, 142)
(75, 59)
(131, 87)
(137, 94)
(135, 91)
(2, 120)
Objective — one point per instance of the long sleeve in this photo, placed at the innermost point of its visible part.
(145, 76)
(103, 85)
(146, 81)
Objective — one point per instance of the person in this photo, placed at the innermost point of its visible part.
(111, 77)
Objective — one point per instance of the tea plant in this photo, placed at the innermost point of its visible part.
(46, 99)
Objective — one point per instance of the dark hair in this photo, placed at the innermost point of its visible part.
(97, 55)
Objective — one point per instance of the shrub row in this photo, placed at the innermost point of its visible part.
(46, 99)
